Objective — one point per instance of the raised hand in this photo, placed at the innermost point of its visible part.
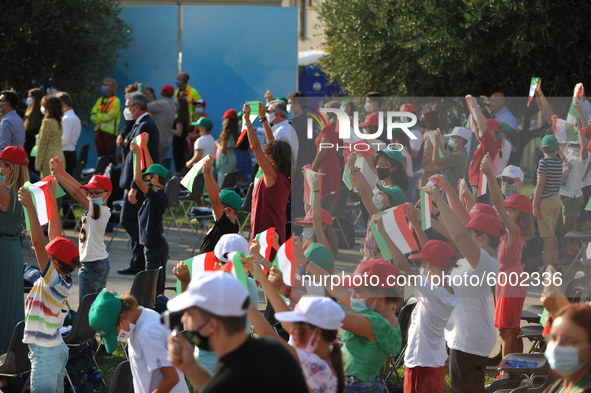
(276, 244)
(246, 111)
(433, 192)
(262, 110)
(24, 197)
(181, 271)
(351, 160)
(207, 165)
(275, 277)
(254, 248)
(486, 165)
(135, 148)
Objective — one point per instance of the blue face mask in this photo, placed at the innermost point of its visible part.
(104, 89)
(563, 360)
(29, 101)
(3, 178)
(178, 84)
(97, 201)
(199, 110)
(359, 305)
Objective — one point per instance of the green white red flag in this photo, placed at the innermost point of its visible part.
(198, 264)
(257, 178)
(190, 177)
(285, 263)
(265, 240)
(482, 185)
(573, 117)
(532, 89)
(564, 131)
(236, 268)
(42, 199)
(397, 229)
(426, 206)
(138, 141)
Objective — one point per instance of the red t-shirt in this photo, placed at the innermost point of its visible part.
(488, 144)
(269, 206)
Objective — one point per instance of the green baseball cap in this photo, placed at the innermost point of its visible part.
(549, 143)
(505, 127)
(320, 255)
(240, 114)
(394, 154)
(230, 198)
(104, 316)
(281, 98)
(395, 193)
(159, 170)
(203, 122)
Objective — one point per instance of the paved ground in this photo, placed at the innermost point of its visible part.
(181, 249)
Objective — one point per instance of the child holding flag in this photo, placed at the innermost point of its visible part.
(57, 260)
(152, 183)
(92, 277)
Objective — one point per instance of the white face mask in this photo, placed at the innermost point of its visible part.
(126, 334)
(127, 114)
(42, 110)
(368, 107)
(571, 151)
(271, 117)
(288, 108)
(378, 201)
(452, 143)
(308, 233)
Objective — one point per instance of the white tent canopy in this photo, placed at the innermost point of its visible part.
(309, 57)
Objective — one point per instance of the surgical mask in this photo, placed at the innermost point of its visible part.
(127, 114)
(383, 173)
(452, 143)
(3, 178)
(271, 117)
(571, 151)
(104, 89)
(308, 233)
(199, 110)
(509, 190)
(368, 107)
(126, 334)
(197, 338)
(43, 111)
(29, 101)
(359, 305)
(178, 84)
(378, 201)
(288, 108)
(563, 360)
(96, 201)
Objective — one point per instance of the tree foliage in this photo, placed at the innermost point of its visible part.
(455, 47)
(70, 45)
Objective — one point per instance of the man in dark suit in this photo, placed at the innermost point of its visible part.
(136, 107)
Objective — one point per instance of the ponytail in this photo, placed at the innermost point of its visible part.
(336, 357)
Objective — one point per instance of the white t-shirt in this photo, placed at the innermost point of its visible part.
(317, 372)
(207, 144)
(506, 151)
(470, 328)
(573, 170)
(426, 342)
(148, 352)
(408, 167)
(71, 127)
(92, 233)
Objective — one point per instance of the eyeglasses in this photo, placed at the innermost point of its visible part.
(94, 194)
(508, 180)
(147, 178)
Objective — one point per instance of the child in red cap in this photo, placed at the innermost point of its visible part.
(92, 277)
(57, 260)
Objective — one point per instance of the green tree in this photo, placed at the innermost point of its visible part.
(70, 45)
(421, 48)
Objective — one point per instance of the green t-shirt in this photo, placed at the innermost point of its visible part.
(363, 358)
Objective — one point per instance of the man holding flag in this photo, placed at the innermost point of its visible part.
(136, 107)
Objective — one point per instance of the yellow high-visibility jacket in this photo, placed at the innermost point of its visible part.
(192, 95)
(106, 114)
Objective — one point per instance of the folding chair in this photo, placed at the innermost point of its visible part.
(83, 157)
(101, 165)
(144, 287)
(246, 207)
(242, 186)
(166, 162)
(122, 379)
(327, 200)
(172, 189)
(338, 211)
(404, 320)
(15, 363)
(229, 181)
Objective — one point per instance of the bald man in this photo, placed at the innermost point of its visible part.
(500, 111)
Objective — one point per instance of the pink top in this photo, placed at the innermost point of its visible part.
(269, 206)
(510, 266)
(510, 256)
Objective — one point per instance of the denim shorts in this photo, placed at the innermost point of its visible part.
(48, 366)
(92, 277)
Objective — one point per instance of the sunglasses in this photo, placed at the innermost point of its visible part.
(508, 180)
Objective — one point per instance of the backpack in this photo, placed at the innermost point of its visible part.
(532, 258)
(82, 371)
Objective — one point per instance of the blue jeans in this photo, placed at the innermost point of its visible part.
(92, 277)
(48, 366)
(483, 198)
(364, 387)
(156, 257)
(413, 183)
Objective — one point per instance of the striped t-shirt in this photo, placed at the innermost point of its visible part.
(552, 167)
(43, 306)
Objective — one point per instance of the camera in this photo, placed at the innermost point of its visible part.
(172, 320)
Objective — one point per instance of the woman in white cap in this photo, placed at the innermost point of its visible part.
(456, 162)
(313, 325)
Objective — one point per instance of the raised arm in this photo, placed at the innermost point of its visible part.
(54, 227)
(542, 103)
(137, 170)
(414, 216)
(36, 233)
(397, 256)
(265, 122)
(70, 184)
(452, 197)
(480, 119)
(365, 191)
(212, 190)
(270, 173)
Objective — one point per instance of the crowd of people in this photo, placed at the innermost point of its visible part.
(314, 335)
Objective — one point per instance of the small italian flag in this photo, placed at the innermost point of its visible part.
(284, 262)
(397, 229)
(432, 139)
(482, 184)
(564, 131)
(265, 240)
(308, 187)
(257, 177)
(357, 144)
(198, 264)
(347, 178)
(532, 89)
(244, 129)
(471, 124)
(236, 268)
(470, 109)
(573, 117)
(138, 141)
(190, 177)
(42, 200)
(426, 205)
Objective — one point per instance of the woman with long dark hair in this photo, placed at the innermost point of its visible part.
(226, 160)
(50, 135)
(32, 120)
(180, 130)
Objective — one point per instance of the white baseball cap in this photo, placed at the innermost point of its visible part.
(228, 243)
(219, 293)
(461, 132)
(321, 312)
(513, 172)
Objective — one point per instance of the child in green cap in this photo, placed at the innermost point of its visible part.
(152, 183)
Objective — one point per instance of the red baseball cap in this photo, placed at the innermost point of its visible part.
(493, 125)
(15, 155)
(200, 101)
(486, 223)
(519, 202)
(437, 253)
(63, 249)
(168, 90)
(408, 108)
(368, 269)
(99, 181)
(230, 114)
(370, 120)
(482, 208)
(324, 215)
(587, 133)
